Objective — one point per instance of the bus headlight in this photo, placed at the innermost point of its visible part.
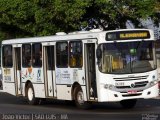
(154, 82)
(108, 86)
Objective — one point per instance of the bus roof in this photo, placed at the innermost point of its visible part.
(71, 36)
(53, 38)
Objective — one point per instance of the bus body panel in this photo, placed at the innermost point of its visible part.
(109, 96)
(9, 88)
(57, 83)
(8, 81)
(35, 75)
(64, 92)
(39, 90)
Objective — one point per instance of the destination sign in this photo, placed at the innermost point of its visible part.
(127, 35)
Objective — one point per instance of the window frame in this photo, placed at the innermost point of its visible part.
(7, 66)
(62, 55)
(24, 58)
(50, 60)
(33, 55)
(77, 54)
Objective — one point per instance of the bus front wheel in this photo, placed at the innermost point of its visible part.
(79, 99)
(128, 103)
(31, 95)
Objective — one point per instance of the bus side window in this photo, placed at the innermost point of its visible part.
(37, 55)
(7, 56)
(26, 55)
(62, 54)
(76, 59)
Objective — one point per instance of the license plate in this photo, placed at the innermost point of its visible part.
(132, 92)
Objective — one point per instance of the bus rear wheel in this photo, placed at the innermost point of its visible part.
(79, 99)
(31, 95)
(128, 103)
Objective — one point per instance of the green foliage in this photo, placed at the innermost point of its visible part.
(24, 18)
(117, 12)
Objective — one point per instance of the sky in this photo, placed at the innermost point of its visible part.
(147, 24)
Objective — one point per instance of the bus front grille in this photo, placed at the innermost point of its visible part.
(136, 85)
(130, 95)
(131, 78)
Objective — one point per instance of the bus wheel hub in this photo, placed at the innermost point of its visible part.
(80, 97)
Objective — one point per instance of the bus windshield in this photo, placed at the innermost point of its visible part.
(126, 57)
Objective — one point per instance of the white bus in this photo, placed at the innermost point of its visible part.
(86, 67)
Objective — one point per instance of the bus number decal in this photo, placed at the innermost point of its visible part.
(119, 84)
(89, 41)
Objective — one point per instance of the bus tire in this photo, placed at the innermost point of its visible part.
(128, 103)
(79, 99)
(31, 95)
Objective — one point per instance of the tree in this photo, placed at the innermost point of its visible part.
(113, 14)
(24, 18)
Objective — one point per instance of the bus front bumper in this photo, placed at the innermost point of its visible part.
(107, 95)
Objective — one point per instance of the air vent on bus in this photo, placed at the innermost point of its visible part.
(130, 95)
(136, 85)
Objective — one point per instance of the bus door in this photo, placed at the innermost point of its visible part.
(49, 70)
(17, 69)
(90, 70)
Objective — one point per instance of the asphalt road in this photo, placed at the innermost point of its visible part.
(15, 108)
